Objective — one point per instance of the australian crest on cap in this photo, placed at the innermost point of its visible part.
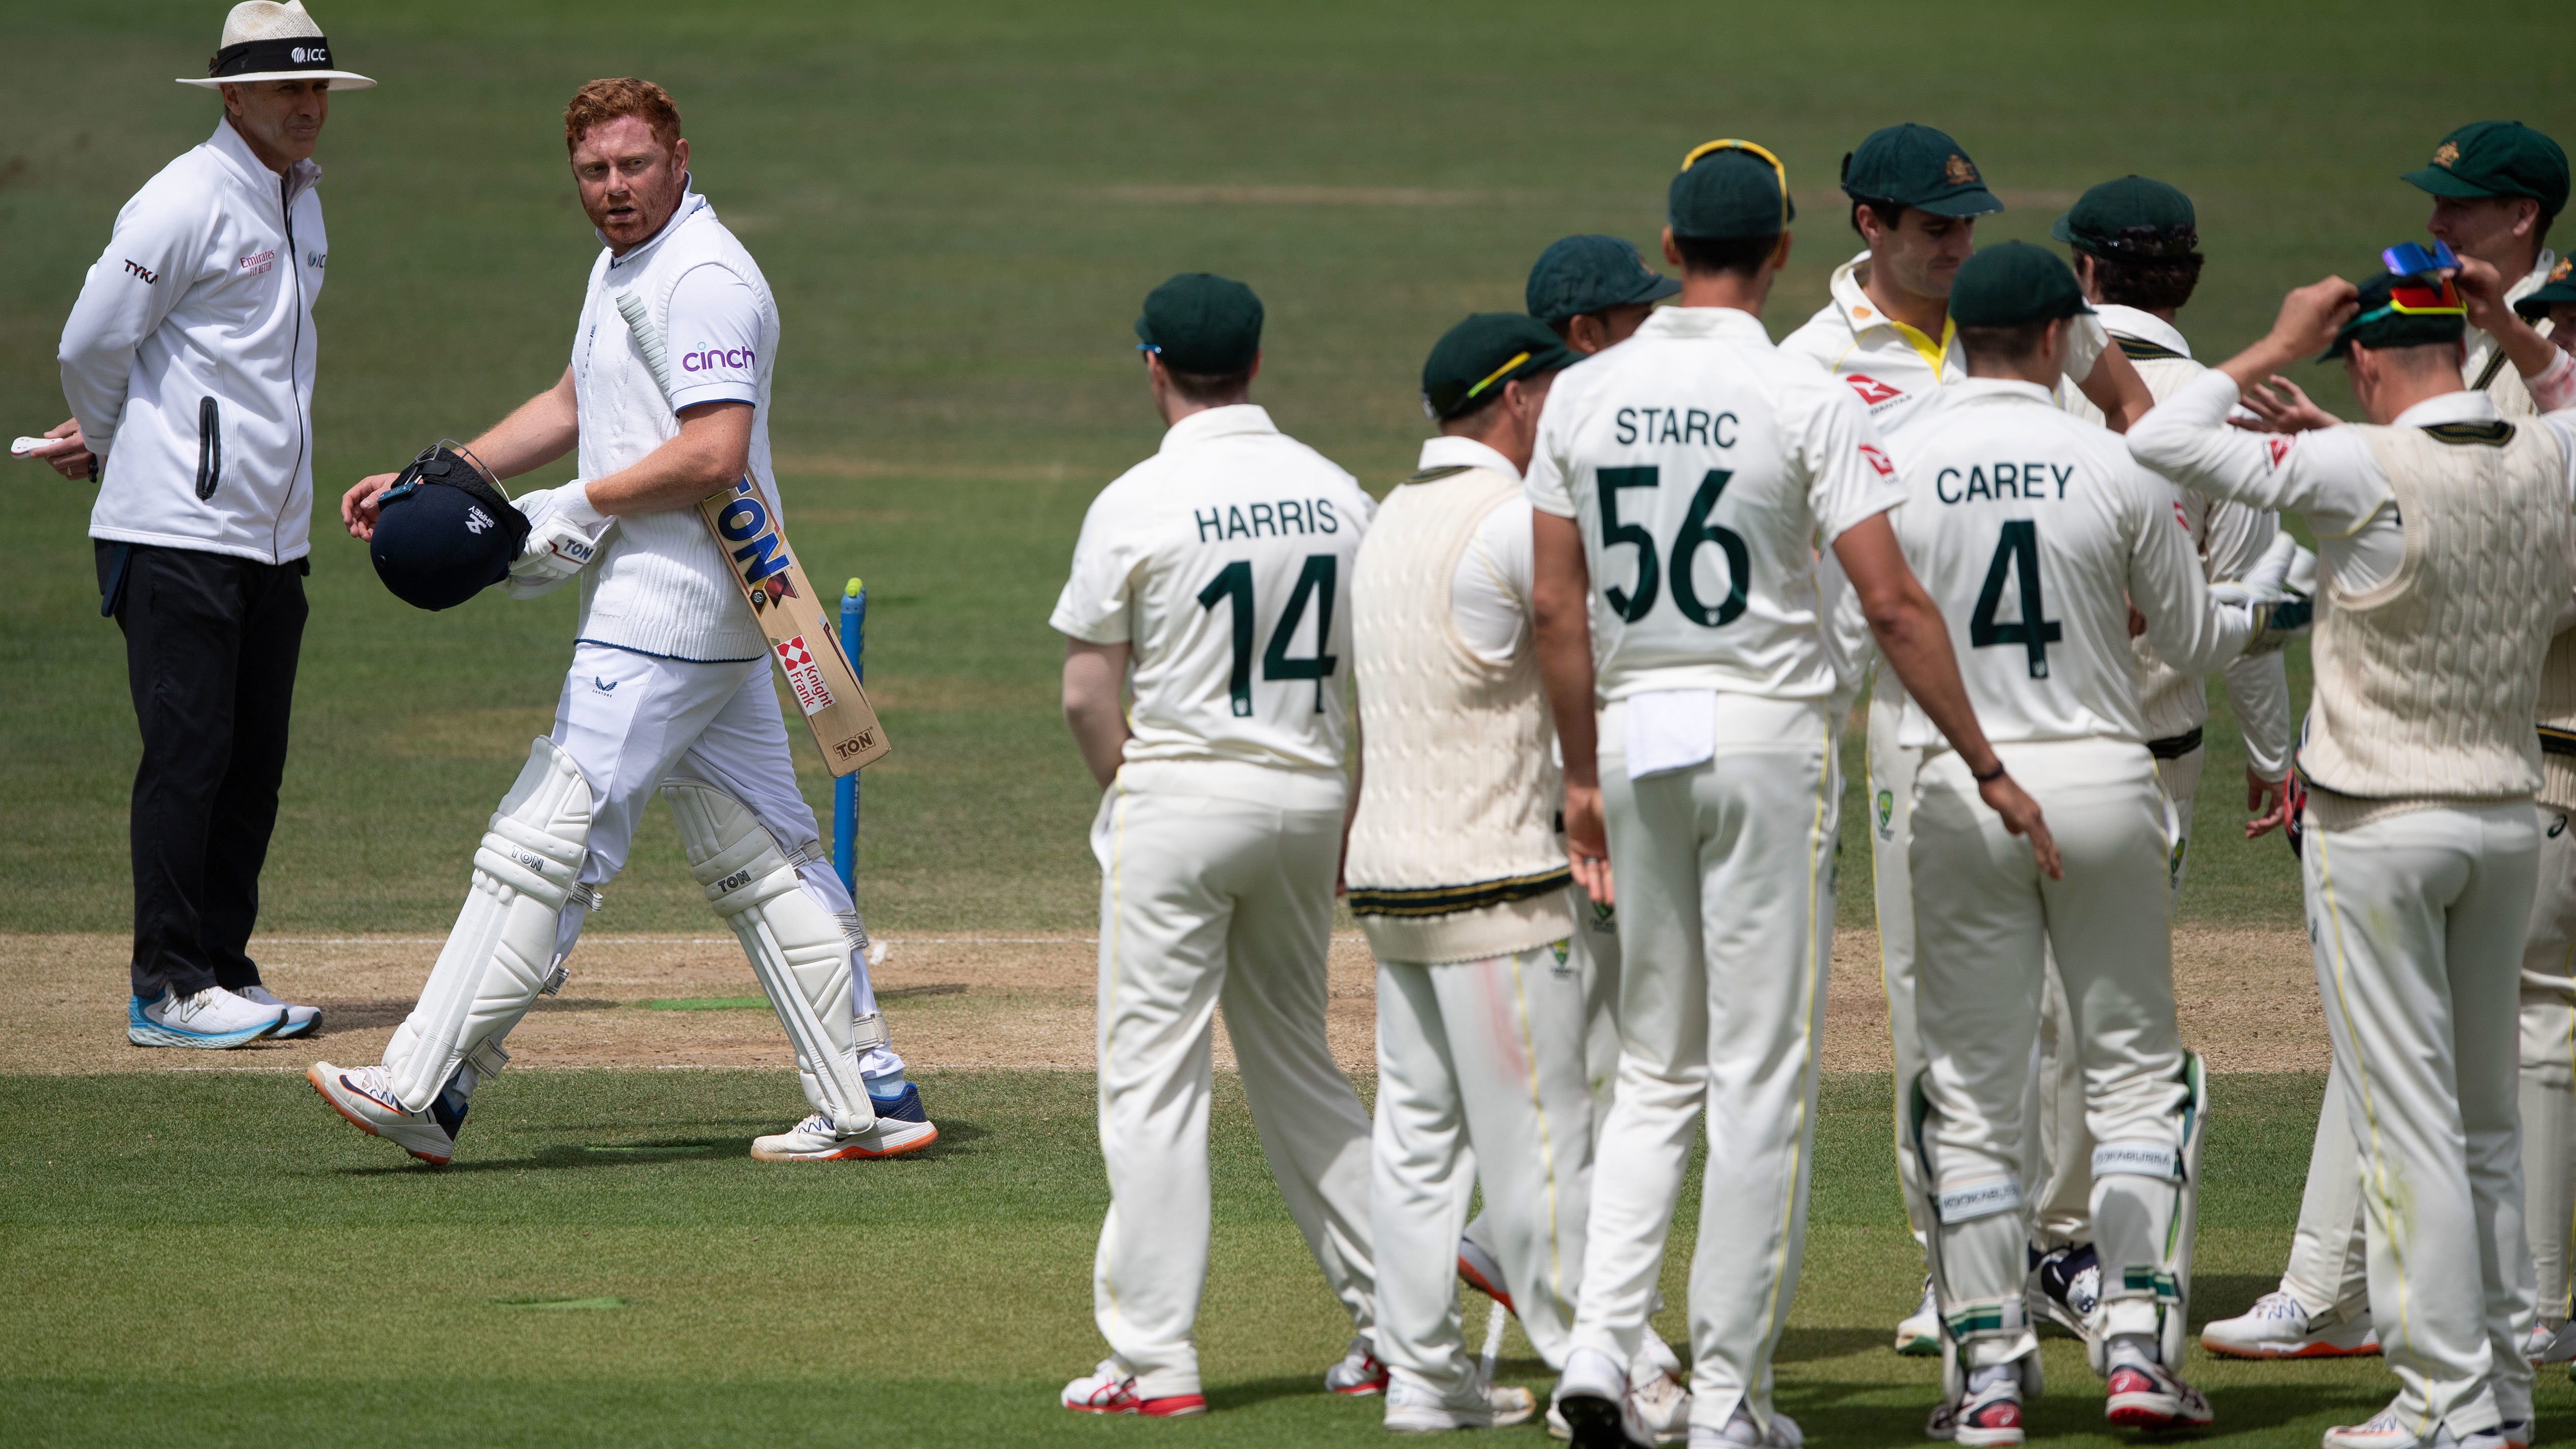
(1961, 171)
(2446, 153)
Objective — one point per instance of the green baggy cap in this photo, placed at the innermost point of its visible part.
(2379, 324)
(2131, 219)
(1592, 274)
(2497, 158)
(1202, 323)
(2013, 284)
(1730, 190)
(2558, 291)
(1473, 360)
(1917, 166)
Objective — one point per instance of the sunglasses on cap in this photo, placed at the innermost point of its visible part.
(1709, 148)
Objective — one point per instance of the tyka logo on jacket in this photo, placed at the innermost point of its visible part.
(135, 269)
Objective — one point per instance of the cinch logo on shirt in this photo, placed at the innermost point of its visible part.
(709, 359)
(253, 266)
(1872, 391)
(1312, 515)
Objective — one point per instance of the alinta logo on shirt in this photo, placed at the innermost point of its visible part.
(714, 359)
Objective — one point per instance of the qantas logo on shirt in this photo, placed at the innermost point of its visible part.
(1871, 453)
(2276, 449)
(1872, 391)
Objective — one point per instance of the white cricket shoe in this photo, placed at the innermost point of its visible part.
(1919, 1334)
(300, 1020)
(362, 1095)
(1742, 1433)
(1359, 1374)
(2551, 1343)
(816, 1140)
(1595, 1405)
(1110, 1389)
(213, 1018)
(1659, 1399)
(1412, 1409)
(2388, 1430)
(2277, 1327)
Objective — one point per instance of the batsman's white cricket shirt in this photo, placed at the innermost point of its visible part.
(1225, 561)
(2035, 532)
(1704, 468)
(1897, 371)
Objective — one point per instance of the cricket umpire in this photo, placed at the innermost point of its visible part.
(189, 363)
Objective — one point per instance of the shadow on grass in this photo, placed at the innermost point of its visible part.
(1857, 1414)
(1244, 1395)
(2224, 1295)
(562, 1156)
(1803, 1345)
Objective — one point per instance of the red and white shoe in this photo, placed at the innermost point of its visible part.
(816, 1140)
(2148, 1396)
(1359, 1374)
(1109, 1389)
(366, 1099)
(1987, 1418)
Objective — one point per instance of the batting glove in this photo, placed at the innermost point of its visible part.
(566, 534)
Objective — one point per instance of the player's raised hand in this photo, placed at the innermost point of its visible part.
(359, 505)
(1587, 843)
(2281, 408)
(2006, 798)
(2310, 315)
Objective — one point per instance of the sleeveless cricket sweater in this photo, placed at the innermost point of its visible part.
(2426, 684)
(661, 586)
(1454, 853)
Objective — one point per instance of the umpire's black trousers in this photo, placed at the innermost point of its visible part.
(210, 648)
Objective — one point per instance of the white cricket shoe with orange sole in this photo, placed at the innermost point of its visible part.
(362, 1095)
(816, 1140)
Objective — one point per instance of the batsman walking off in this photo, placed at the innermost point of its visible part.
(1213, 580)
(669, 689)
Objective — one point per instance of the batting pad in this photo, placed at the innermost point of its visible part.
(798, 949)
(500, 953)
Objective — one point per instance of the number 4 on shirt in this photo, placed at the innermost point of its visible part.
(1315, 580)
(2016, 553)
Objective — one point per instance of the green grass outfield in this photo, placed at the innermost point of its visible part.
(959, 206)
(213, 1258)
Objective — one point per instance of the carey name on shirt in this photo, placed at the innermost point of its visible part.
(2002, 480)
(1266, 520)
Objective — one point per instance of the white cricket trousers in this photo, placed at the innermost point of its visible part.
(1984, 919)
(632, 721)
(1480, 1078)
(2329, 1256)
(1724, 882)
(2419, 923)
(1892, 768)
(2062, 1216)
(1216, 887)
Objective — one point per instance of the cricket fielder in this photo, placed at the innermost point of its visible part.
(2444, 537)
(2135, 244)
(1689, 475)
(1457, 876)
(1219, 572)
(2496, 187)
(2036, 534)
(189, 365)
(1915, 199)
(669, 688)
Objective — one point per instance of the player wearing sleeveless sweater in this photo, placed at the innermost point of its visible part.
(1683, 482)
(2444, 537)
(1219, 570)
(2135, 255)
(2496, 187)
(1915, 198)
(2037, 536)
(1457, 878)
(669, 689)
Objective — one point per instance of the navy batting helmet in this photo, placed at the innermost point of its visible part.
(443, 532)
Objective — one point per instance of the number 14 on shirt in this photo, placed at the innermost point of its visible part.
(1315, 581)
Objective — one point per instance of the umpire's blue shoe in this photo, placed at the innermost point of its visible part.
(212, 1018)
(905, 1107)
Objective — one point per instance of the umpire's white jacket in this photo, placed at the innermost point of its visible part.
(189, 357)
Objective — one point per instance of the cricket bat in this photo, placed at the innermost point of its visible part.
(801, 638)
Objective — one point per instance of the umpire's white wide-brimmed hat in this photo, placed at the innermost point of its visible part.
(265, 41)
